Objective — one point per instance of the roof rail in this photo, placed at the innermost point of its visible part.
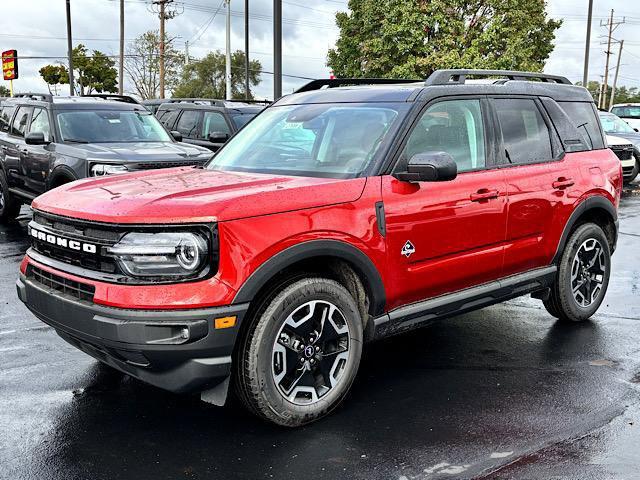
(337, 82)
(458, 77)
(112, 96)
(42, 97)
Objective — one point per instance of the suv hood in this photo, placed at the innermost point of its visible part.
(134, 152)
(187, 195)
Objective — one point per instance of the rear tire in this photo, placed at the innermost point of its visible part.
(634, 174)
(301, 353)
(9, 204)
(583, 275)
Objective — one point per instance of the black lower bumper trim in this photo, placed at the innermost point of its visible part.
(178, 350)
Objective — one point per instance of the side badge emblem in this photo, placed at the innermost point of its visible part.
(408, 249)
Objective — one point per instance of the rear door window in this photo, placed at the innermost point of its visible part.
(525, 134)
(585, 119)
(5, 117)
(19, 125)
(214, 122)
(188, 123)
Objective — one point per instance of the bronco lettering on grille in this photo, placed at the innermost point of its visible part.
(64, 242)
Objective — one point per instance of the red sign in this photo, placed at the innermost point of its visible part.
(10, 64)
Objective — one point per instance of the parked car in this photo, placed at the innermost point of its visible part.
(624, 141)
(209, 126)
(48, 141)
(629, 112)
(338, 216)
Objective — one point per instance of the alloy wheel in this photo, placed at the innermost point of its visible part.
(310, 352)
(588, 272)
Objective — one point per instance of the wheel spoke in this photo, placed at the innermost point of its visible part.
(588, 271)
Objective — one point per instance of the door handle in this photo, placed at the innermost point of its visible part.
(563, 183)
(484, 194)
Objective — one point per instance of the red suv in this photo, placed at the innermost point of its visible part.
(337, 216)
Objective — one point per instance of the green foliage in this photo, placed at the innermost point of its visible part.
(412, 38)
(206, 78)
(4, 91)
(95, 73)
(623, 94)
(142, 64)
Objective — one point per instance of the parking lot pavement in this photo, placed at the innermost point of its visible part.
(505, 392)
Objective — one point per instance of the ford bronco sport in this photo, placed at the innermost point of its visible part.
(46, 141)
(337, 216)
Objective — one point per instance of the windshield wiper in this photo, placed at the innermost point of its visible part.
(75, 140)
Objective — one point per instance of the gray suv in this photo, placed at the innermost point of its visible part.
(48, 141)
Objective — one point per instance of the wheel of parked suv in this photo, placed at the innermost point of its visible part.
(301, 353)
(634, 173)
(9, 206)
(583, 275)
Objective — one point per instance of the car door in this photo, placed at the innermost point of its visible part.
(37, 161)
(189, 125)
(446, 236)
(531, 154)
(16, 150)
(8, 162)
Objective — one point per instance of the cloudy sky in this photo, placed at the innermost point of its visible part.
(37, 29)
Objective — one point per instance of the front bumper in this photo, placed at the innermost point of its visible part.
(146, 344)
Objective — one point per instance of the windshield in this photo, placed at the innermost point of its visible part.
(107, 126)
(321, 140)
(627, 112)
(613, 124)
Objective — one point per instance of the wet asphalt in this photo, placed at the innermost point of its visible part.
(505, 392)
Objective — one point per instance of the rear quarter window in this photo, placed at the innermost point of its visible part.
(5, 117)
(585, 119)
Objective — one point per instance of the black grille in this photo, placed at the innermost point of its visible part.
(68, 288)
(624, 152)
(155, 165)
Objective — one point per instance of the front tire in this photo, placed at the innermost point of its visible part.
(634, 173)
(9, 205)
(301, 353)
(583, 275)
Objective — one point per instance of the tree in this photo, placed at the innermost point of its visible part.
(206, 78)
(623, 94)
(54, 75)
(95, 73)
(4, 91)
(412, 38)
(142, 64)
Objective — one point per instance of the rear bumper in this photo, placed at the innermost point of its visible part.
(146, 344)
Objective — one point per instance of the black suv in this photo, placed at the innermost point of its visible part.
(48, 141)
(208, 123)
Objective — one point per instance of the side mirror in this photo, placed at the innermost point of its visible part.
(35, 138)
(177, 136)
(218, 137)
(429, 167)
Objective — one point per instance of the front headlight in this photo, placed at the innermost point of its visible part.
(162, 254)
(101, 169)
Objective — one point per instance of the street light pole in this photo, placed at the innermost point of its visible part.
(585, 77)
(277, 49)
(615, 78)
(228, 61)
(70, 48)
(246, 49)
(121, 72)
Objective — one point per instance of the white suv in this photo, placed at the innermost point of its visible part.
(624, 150)
(629, 112)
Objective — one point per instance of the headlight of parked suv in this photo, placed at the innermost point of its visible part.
(162, 254)
(100, 169)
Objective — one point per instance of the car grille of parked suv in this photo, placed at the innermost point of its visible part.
(80, 231)
(68, 288)
(624, 152)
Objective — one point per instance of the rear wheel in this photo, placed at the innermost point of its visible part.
(583, 275)
(634, 173)
(9, 205)
(301, 353)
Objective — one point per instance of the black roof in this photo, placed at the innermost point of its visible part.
(196, 106)
(72, 103)
(440, 83)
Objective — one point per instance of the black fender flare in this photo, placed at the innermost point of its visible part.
(590, 203)
(318, 248)
(61, 171)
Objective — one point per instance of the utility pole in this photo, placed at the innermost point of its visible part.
(121, 72)
(165, 12)
(228, 59)
(70, 48)
(186, 52)
(612, 27)
(615, 78)
(246, 49)
(277, 49)
(585, 77)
